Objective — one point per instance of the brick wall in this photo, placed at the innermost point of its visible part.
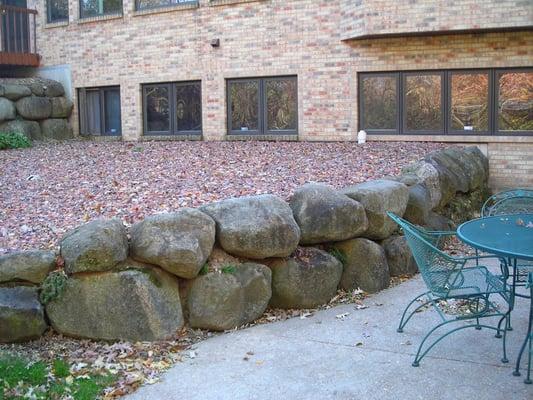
(510, 165)
(361, 18)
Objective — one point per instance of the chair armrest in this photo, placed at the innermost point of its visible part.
(503, 262)
(442, 233)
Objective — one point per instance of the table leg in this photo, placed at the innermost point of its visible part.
(527, 341)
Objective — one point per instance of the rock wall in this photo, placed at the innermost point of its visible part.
(220, 266)
(35, 107)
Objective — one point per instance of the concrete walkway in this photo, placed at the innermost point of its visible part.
(357, 357)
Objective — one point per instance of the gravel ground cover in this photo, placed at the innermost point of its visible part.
(50, 188)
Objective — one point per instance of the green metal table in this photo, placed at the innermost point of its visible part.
(509, 236)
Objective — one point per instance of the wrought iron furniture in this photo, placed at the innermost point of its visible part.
(449, 279)
(509, 236)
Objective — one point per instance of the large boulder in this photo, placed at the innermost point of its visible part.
(255, 227)
(429, 177)
(53, 88)
(96, 246)
(305, 280)
(15, 92)
(7, 109)
(61, 107)
(139, 304)
(56, 128)
(399, 257)
(325, 215)
(30, 129)
(178, 242)
(225, 300)
(21, 314)
(437, 222)
(365, 265)
(481, 160)
(256, 283)
(34, 108)
(452, 173)
(27, 266)
(418, 205)
(378, 197)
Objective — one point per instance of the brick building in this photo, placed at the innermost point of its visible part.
(444, 70)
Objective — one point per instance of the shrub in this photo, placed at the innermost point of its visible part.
(229, 269)
(13, 140)
(53, 286)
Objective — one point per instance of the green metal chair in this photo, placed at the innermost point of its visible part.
(448, 278)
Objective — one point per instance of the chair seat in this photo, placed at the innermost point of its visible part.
(472, 281)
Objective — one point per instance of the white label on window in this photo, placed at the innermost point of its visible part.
(469, 128)
(244, 128)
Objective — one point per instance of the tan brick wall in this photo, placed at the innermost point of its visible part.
(511, 165)
(362, 18)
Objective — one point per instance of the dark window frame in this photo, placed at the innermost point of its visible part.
(168, 4)
(262, 108)
(83, 110)
(49, 19)
(396, 77)
(173, 118)
(82, 16)
(494, 74)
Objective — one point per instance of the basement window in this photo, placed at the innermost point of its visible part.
(56, 11)
(99, 111)
(97, 8)
(151, 4)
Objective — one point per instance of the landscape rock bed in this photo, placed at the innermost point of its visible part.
(36, 108)
(121, 298)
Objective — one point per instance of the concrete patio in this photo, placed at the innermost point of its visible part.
(360, 355)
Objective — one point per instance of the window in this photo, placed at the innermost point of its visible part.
(489, 101)
(100, 111)
(172, 108)
(147, 4)
(95, 8)
(57, 10)
(263, 106)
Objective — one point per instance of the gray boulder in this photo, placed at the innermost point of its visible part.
(399, 257)
(7, 109)
(96, 246)
(216, 302)
(34, 108)
(61, 107)
(220, 301)
(378, 197)
(21, 314)
(178, 242)
(56, 128)
(418, 205)
(325, 215)
(452, 169)
(480, 159)
(15, 92)
(306, 281)
(365, 265)
(429, 177)
(140, 304)
(30, 129)
(437, 222)
(256, 283)
(27, 266)
(255, 227)
(53, 88)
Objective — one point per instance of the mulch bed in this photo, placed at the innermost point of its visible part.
(51, 188)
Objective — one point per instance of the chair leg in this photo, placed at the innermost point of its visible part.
(421, 354)
(528, 378)
(505, 360)
(404, 320)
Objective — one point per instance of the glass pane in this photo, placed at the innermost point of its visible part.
(157, 109)
(57, 10)
(92, 98)
(423, 108)
(515, 101)
(189, 107)
(112, 111)
(282, 105)
(380, 102)
(144, 4)
(470, 102)
(91, 8)
(244, 105)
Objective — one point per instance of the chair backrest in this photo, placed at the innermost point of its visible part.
(509, 202)
(435, 266)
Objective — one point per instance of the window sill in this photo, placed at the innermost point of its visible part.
(147, 138)
(450, 138)
(280, 138)
(215, 3)
(166, 9)
(97, 18)
(58, 24)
